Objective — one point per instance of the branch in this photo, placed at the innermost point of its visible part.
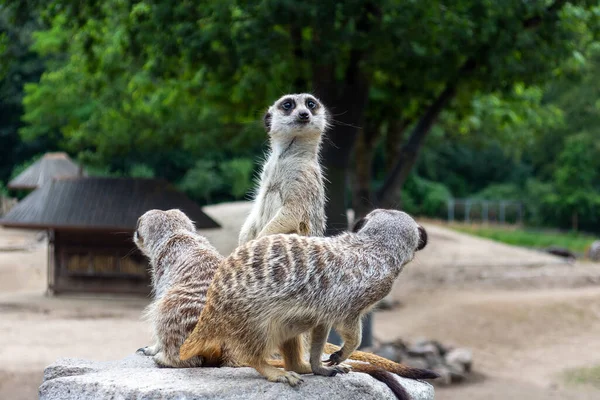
(409, 152)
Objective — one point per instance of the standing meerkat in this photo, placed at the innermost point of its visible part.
(291, 196)
(281, 286)
(183, 264)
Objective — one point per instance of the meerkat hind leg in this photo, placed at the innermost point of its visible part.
(318, 340)
(351, 333)
(292, 353)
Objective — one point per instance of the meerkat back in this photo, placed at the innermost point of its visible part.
(290, 197)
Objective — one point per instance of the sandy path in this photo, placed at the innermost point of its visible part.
(463, 290)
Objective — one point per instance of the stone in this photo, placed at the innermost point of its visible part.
(460, 357)
(388, 351)
(137, 377)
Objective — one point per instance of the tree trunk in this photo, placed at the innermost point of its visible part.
(389, 196)
(362, 199)
(393, 143)
(347, 106)
(575, 221)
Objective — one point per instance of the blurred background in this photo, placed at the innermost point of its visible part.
(482, 119)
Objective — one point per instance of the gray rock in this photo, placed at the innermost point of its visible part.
(388, 351)
(460, 357)
(137, 377)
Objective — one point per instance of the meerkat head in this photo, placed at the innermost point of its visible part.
(155, 226)
(296, 114)
(394, 227)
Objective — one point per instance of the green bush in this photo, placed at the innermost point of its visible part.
(202, 181)
(424, 197)
(500, 191)
(141, 171)
(237, 173)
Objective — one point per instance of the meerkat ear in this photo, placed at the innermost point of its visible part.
(359, 224)
(422, 238)
(267, 121)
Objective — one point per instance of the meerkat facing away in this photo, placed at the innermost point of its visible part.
(278, 287)
(291, 196)
(183, 264)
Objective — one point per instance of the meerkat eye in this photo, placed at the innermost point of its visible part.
(311, 104)
(287, 105)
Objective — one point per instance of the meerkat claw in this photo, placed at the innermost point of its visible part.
(148, 350)
(334, 359)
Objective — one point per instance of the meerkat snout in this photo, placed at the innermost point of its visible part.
(422, 238)
(303, 116)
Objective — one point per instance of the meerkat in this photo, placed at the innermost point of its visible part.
(278, 287)
(291, 196)
(183, 264)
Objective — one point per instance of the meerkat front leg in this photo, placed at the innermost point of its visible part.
(292, 352)
(285, 221)
(247, 232)
(351, 333)
(275, 374)
(318, 340)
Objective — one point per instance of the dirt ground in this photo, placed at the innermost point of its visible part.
(527, 316)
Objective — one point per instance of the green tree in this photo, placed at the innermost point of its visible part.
(577, 179)
(18, 66)
(154, 75)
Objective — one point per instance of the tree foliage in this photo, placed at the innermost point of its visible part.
(179, 87)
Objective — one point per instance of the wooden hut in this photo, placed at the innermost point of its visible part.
(50, 166)
(90, 222)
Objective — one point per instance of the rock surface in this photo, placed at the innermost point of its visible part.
(136, 377)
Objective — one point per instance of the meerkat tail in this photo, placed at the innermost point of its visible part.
(381, 362)
(199, 343)
(382, 376)
(209, 350)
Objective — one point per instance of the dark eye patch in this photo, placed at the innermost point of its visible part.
(287, 105)
(311, 104)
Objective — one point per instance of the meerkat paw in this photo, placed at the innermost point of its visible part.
(331, 371)
(343, 368)
(335, 358)
(148, 350)
(290, 377)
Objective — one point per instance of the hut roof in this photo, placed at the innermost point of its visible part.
(50, 166)
(100, 204)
